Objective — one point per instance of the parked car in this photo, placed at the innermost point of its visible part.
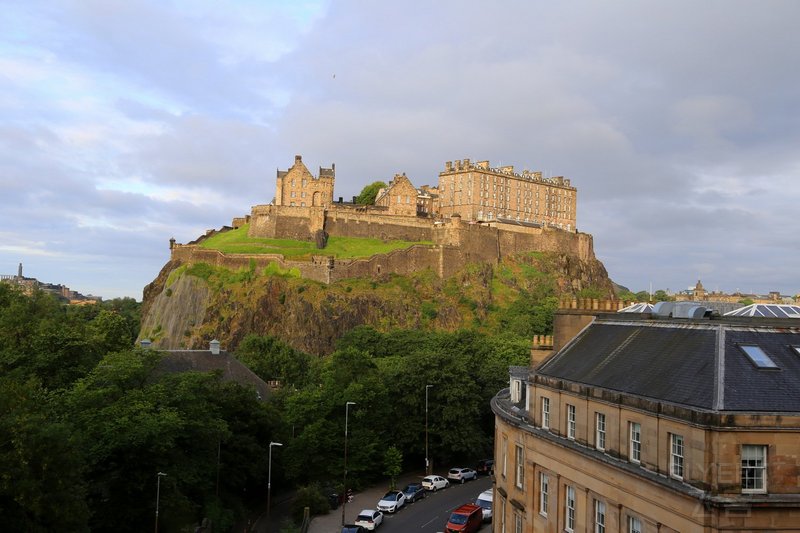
(466, 519)
(485, 502)
(485, 467)
(369, 519)
(434, 483)
(462, 474)
(352, 528)
(413, 492)
(392, 501)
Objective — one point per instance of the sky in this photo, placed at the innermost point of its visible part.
(126, 122)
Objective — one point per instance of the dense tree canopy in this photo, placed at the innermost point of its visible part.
(92, 420)
(88, 421)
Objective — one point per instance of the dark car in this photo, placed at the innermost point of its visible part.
(485, 467)
(413, 492)
(349, 528)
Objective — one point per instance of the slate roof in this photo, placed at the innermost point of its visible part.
(698, 364)
(204, 361)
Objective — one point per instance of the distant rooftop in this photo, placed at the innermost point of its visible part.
(767, 311)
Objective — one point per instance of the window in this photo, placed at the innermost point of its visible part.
(600, 431)
(545, 413)
(599, 517)
(516, 391)
(502, 515)
(517, 523)
(635, 452)
(569, 510)
(754, 469)
(544, 486)
(520, 467)
(758, 357)
(634, 525)
(676, 456)
(505, 455)
(570, 421)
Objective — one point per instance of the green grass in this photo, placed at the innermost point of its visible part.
(238, 242)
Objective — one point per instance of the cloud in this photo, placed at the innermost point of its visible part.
(126, 123)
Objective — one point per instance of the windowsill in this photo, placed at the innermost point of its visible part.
(754, 491)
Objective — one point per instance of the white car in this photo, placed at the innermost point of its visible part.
(485, 501)
(369, 519)
(392, 501)
(434, 483)
(462, 474)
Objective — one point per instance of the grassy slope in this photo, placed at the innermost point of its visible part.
(238, 242)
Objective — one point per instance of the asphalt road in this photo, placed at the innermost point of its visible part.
(430, 515)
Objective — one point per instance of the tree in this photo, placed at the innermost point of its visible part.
(393, 465)
(369, 192)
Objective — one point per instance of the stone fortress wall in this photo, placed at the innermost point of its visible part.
(454, 242)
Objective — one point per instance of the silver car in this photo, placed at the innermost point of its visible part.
(434, 483)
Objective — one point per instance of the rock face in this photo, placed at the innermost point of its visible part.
(188, 305)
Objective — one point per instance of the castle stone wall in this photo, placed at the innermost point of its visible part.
(351, 223)
(455, 243)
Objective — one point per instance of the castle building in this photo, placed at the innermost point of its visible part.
(399, 197)
(648, 423)
(479, 192)
(298, 187)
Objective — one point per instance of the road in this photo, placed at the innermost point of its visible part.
(430, 515)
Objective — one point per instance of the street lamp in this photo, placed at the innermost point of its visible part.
(269, 476)
(344, 481)
(427, 462)
(158, 494)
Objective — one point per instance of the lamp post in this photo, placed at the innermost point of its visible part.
(427, 461)
(158, 494)
(269, 477)
(344, 481)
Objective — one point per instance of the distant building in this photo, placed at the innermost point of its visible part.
(700, 294)
(399, 197)
(28, 285)
(213, 360)
(479, 192)
(298, 187)
(644, 423)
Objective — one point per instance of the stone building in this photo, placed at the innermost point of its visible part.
(644, 423)
(479, 192)
(298, 187)
(399, 197)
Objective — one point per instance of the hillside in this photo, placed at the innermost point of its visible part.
(187, 305)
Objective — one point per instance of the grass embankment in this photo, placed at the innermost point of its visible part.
(238, 242)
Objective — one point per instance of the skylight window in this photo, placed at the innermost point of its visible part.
(758, 357)
(796, 349)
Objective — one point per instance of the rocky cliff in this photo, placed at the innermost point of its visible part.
(188, 305)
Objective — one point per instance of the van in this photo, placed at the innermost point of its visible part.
(465, 519)
(485, 502)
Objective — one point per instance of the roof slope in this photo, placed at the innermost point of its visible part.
(681, 362)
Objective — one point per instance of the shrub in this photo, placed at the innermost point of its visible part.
(310, 496)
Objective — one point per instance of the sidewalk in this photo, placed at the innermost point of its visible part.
(366, 499)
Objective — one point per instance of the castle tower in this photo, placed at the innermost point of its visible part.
(298, 187)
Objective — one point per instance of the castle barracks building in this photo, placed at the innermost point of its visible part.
(477, 191)
(646, 423)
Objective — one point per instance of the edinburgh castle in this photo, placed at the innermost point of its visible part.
(476, 214)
